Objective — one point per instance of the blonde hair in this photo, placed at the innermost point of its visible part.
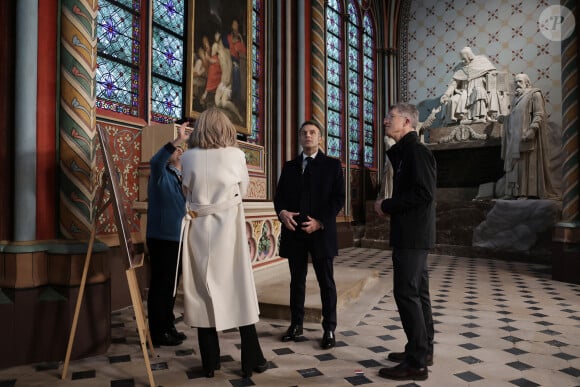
(213, 129)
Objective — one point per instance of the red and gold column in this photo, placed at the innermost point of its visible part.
(317, 60)
(78, 52)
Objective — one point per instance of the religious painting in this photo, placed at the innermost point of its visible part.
(219, 60)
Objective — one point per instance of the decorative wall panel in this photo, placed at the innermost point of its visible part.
(125, 145)
(77, 135)
(507, 32)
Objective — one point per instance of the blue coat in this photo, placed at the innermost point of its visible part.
(327, 199)
(166, 203)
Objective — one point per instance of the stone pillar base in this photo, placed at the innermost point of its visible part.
(39, 286)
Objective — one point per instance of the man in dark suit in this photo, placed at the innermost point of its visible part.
(412, 211)
(308, 198)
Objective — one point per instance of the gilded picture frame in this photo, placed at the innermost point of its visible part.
(219, 60)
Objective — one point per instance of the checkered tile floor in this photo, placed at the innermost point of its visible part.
(498, 323)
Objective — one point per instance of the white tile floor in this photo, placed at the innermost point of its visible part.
(498, 323)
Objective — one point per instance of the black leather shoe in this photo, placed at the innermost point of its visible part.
(210, 373)
(328, 340)
(399, 357)
(404, 371)
(259, 369)
(165, 339)
(178, 335)
(294, 331)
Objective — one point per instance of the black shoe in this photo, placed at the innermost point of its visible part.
(259, 369)
(328, 340)
(165, 339)
(294, 331)
(404, 371)
(178, 335)
(399, 357)
(210, 373)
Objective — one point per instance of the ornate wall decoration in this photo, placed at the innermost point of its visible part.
(257, 189)
(77, 135)
(125, 148)
(317, 59)
(507, 32)
(571, 189)
(263, 239)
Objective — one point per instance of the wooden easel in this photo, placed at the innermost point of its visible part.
(110, 184)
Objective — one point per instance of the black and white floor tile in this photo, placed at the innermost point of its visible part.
(498, 323)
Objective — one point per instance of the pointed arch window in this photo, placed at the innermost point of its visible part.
(369, 91)
(353, 78)
(350, 121)
(334, 79)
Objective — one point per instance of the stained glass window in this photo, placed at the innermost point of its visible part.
(119, 56)
(354, 92)
(369, 82)
(167, 52)
(334, 74)
(256, 136)
(350, 117)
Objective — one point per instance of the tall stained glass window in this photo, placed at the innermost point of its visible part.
(369, 91)
(167, 66)
(119, 60)
(350, 122)
(257, 107)
(334, 79)
(354, 77)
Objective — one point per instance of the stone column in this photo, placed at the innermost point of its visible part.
(570, 123)
(317, 59)
(25, 120)
(565, 262)
(77, 123)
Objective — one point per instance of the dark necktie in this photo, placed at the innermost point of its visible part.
(308, 160)
(305, 194)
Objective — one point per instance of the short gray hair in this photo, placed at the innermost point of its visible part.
(409, 110)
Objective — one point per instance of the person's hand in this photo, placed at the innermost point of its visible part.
(184, 131)
(378, 209)
(183, 134)
(529, 134)
(287, 219)
(443, 98)
(311, 225)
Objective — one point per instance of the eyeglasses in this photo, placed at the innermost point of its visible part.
(391, 116)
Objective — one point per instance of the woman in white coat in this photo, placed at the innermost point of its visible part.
(218, 283)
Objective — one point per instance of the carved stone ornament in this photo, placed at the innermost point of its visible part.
(463, 133)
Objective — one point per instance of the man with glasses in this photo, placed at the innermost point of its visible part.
(412, 212)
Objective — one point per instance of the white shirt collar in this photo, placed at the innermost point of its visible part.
(312, 155)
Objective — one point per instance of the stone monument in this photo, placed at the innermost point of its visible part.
(525, 146)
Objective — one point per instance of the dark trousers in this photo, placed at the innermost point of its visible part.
(323, 267)
(209, 348)
(160, 300)
(411, 290)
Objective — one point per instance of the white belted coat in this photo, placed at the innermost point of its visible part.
(218, 283)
